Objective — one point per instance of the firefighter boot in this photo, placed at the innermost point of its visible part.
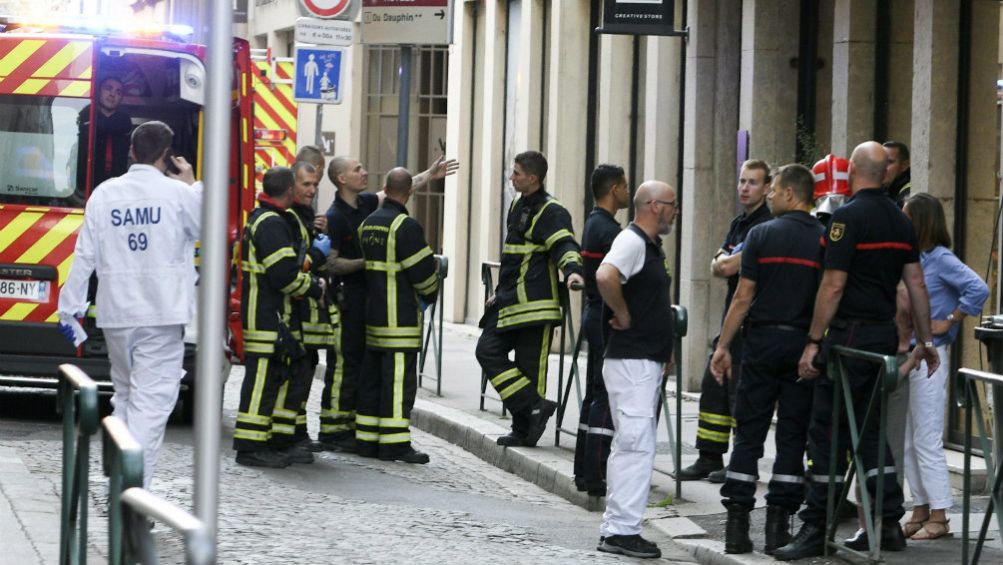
(736, 531)
(778, 528)
(808, 542)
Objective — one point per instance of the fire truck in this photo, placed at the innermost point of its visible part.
(49, 87)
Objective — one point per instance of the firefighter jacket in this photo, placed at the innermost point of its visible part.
(401, 272)
(316, 320)
(540, 238)
(272, 277)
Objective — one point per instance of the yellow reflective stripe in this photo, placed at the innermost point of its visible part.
(416, 258)
(719, 437)
(541, 375)
(299, 286)
(429, 285)
(258, 420)
(331, 413)
(394, 422)
(528, 306)
(260, 374)
(520, 285)
(717, 419)
(260, 335)
(404, 331)
(522, 248)
(265, 348)
(284, 429)
(317, 328)
(277, 256)
(539, 215)
(513, 388)
(370, 227)
(391, 277)
(402, 437)
(546, 316)
(366, 436)
(383, 266)
(569, 257)
(558, 235)
(334, 428)
(398, 398)
(367, 420)
(504, 376)
(338, 377)
(394, 343)
(252, 435)
(250, 267)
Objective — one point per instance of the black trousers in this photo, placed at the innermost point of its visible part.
(386, 396)
(520, 383)
(344, 364)
(861, 375)
(595, 423)
(263, 376)
(289, 416)
(717, 404)
(769, 378)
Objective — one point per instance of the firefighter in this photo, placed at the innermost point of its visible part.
(111, 126)
(272, 278)
(595, 425)
(401, 280)
(781, 267)
(716, 400)
(525, 307)
(311, 154)
(311, 321)
(139, 235)
(352, 204)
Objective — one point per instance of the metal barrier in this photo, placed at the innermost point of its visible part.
(129, 506)
(433, 335)
(574, 375)
(78, 401)
(487, 279)
(676, 440)
(883, 386)
(969, 400)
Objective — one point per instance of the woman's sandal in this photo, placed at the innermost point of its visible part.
(932, 529)
(909, 529)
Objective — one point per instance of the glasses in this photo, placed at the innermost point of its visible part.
(665, 202)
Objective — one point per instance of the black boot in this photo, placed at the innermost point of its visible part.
(808, 542)
(736, 532)
(778, 528)
(702, 467)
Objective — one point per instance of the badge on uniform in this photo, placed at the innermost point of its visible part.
(836, 231)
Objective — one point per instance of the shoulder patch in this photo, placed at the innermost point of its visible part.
(836, 231)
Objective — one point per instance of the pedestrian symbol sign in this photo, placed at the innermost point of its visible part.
(318, 75)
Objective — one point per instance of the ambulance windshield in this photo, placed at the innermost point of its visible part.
(38, 150)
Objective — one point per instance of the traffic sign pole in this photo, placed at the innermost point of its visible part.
(404, 106)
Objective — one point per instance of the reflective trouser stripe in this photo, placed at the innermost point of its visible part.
(712, 436)
(513, 388)
(598, 431)
(825, 478)
(744, 477)
(386, 399)
(334, 418)
(796, 479)
(717, 419)
(889, 470)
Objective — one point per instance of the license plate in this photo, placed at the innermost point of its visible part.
(20, 289)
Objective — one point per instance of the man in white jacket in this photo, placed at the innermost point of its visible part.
(139, 235)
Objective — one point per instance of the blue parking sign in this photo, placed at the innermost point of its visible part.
(318, 75)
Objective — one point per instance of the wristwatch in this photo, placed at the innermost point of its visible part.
(928, 344)
(814, 341)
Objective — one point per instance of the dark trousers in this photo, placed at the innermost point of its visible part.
(595, 423)
(263, 375)
(344, 364)
(717, 405)
(861, 376)
(289, 416)
(386, 396)
(769, 375)
(521, 383)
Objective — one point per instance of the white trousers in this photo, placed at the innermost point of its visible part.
(925, 464)
(146, 373)
(633, 386)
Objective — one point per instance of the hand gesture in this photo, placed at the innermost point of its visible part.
(575, 281)
(442, 168)
(67, 332)
(720, 365)
(320, 223)
(931, 357)
(186, 173)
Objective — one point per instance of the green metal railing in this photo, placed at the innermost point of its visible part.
(969, 401)
(676, 439)
(878, 403)
(433, 335)
(130, 507)
(574, 375)
(78, 401)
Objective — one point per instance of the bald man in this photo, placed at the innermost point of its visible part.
(401, 280)
(870, 246)
(634, 284)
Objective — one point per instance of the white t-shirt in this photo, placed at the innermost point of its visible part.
(626, 254)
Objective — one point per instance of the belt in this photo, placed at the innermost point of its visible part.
(843, 323)
(773, 326)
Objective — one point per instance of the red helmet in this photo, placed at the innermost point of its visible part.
(832, 183)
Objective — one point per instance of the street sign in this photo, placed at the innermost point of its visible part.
(407, 22)
(318, 75)
(326, 8)
(324, 32)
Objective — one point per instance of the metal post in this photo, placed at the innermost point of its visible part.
(404, 106)
(318, 139)
(213, 272)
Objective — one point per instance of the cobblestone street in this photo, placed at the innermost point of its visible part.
(343, 508)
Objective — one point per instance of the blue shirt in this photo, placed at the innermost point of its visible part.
(951, 284)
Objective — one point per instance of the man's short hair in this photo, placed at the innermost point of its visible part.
(337, 167)
(800, 179)
(754, 164)
(604, 178)
(902, 148)
(398, 181)
(303, 166)
(278, 181)
(107, 78)
(149, 141)
(533, 163)
(312, 155)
